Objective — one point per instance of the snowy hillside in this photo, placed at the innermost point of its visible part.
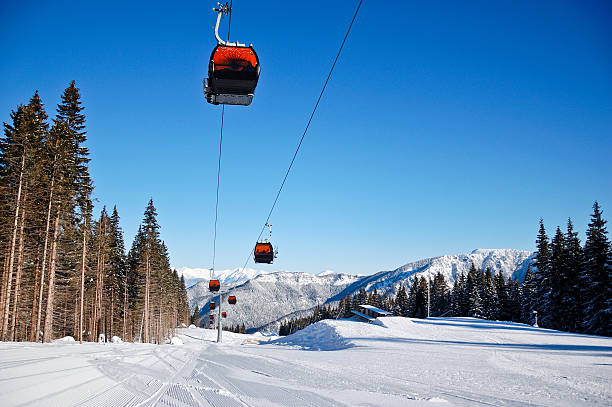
(396, 362)
(268, 297)
(512, 263)
(266, 300)
(226, 277)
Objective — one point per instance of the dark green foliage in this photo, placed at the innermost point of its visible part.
(597, 276)
(49, 244)
(195, 317)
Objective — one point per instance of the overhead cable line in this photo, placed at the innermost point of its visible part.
(229, 27)
(314, 110)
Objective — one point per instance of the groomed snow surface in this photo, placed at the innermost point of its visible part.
(393, 362)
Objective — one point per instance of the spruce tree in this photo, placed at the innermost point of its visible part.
(503, 308)
(573, 303)
(598, 276)
(529, 300)
(439, 295)
(476, 309)
(558, 281)
(490, 304)
(542, 278)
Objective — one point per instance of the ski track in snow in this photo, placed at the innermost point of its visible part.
(393, 362)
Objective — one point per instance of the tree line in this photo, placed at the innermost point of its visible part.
(196, 319)
(63, 272)
(570, 288)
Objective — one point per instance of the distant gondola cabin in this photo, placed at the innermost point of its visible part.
(224, 314)
(214, 285)
(212, 305)
(231, 299)
(263, 253)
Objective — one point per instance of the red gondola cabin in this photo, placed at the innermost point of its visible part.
(263, 253)
(211, 305)
(231, 299)
(214, 285)
(224, 314)
(233, 72)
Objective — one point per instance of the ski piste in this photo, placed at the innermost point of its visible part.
(395, 361)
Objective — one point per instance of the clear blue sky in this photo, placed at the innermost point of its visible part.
(446, 126)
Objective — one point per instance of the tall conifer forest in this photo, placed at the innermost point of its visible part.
(64, 268)
(570, 288)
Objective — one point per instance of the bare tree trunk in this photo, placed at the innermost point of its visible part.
(44, 259)
(112, 310)
(141, 325)
(124, 306)
(146, 305)
(19, 272)
(4, 284)
(100, 277)
(48, 330)
(7, 299)
(83, 264)
(34, 300)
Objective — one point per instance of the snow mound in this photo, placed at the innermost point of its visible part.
(176, 341)
(65, 339)
(192, 326)
(322, 335)
(116, 339)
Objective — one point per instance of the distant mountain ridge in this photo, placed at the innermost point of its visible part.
(511, 263)
(226, 277)
(267, 298)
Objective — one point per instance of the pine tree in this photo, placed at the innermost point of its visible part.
(598, 276)
(401, 302)
(439, 295)
(558, 281)
(69, 163)
(476, 309)
(195, 317)
(573, 303)
(489, 297)
(20, 168)
(513, 306)
(502, 307)
(542, 278)
(529, 296)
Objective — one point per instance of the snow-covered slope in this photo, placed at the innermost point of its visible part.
(401, 362)
(512, 263)
(226, 277)
(268, 297)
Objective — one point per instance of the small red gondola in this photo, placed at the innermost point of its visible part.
(211, 305)
(263, 253)
(231, 299)
(224, 314)
(212, 316)
(214, 285)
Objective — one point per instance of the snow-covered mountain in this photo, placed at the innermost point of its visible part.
(226, 277)
(512, 263)
(266, 299)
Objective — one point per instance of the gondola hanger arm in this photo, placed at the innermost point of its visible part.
(223, 9)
